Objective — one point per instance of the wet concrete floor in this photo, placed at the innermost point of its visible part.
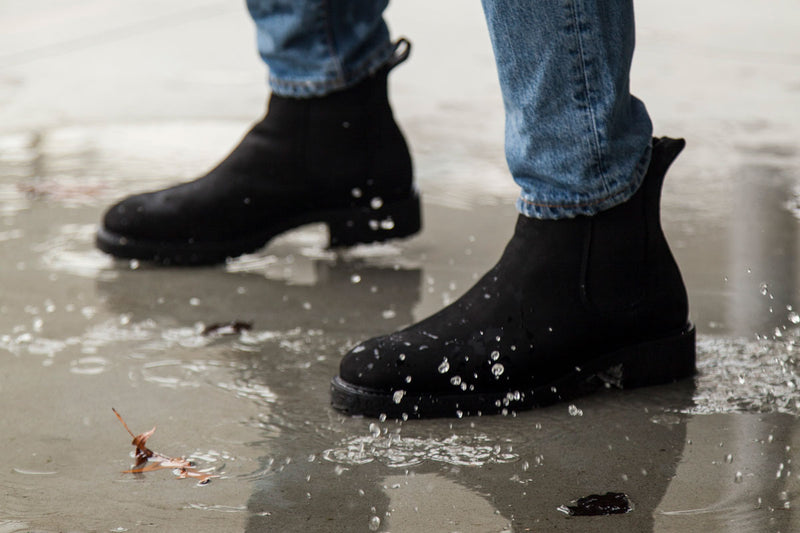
(99, 100)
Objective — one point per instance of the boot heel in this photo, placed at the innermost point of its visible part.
(657, 362)
(364, 225)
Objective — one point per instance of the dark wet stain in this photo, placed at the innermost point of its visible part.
(227, 328)
(598, 505)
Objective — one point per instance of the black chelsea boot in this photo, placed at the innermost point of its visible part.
(569, 300)
(339, 159)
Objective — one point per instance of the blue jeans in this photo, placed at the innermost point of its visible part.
(577, 142)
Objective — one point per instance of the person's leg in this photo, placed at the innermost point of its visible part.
(328, 149)
(587, 285)
(577, 141)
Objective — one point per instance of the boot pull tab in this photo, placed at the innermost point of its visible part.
(402, 49)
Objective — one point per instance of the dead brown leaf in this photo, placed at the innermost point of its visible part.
(148, 461)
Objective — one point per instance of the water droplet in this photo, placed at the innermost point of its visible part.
(574, 411)
(729, 458)
(133, 264)
(194, 301)
(387, 224)
(497, 369)
(525, 466)
(374, 523)
(495, 355)
(375, 430)
(738, 477)
(345, 124)
(356, 192)
(397, 397)
(455, 380)
(763, 289)
(444, 366)
(408, 379)
(794, 318)
(355, 278)
(388, 314)
(376, 203)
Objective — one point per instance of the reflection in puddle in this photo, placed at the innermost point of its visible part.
(431, 502)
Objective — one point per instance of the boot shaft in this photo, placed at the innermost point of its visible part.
(615, 266)
(345, 141)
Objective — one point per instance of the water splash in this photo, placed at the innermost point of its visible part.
(400, 452)
(738, 375)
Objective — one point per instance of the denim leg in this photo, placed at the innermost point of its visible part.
(577, 141)
(314, 47)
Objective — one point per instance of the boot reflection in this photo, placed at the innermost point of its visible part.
(498, 473)
(352, 296)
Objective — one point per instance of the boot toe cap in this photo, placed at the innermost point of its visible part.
(120, 216)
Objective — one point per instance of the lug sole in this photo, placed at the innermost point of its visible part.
(347, 227)
(650, 363)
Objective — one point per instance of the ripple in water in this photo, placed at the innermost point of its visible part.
(89, 366)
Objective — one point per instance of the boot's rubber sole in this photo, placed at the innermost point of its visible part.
(347, 227)
(650, 363)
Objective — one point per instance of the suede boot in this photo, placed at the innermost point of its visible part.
(569, 300)
(339, 159)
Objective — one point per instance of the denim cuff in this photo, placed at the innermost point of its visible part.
(556, 207)
(333, 81)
